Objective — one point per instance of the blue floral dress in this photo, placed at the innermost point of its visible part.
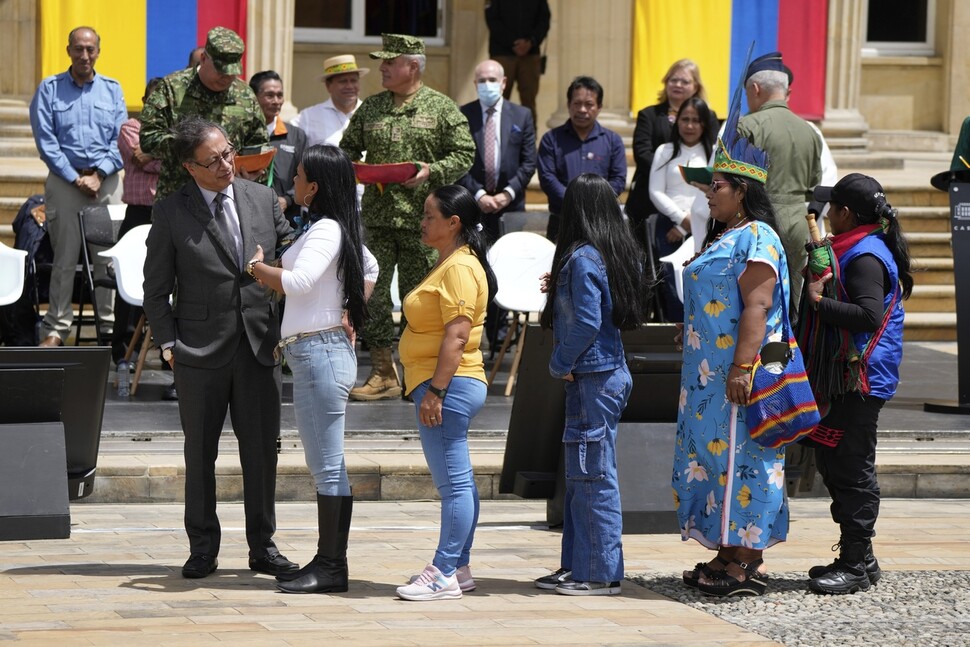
(728, 490)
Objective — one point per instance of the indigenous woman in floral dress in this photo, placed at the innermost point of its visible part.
(729, 490)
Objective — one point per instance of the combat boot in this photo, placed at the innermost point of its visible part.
(872, 565)
(850, 574)
(382, 383)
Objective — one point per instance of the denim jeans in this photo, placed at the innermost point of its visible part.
(592, 520)
(446, 450)
(324, 369)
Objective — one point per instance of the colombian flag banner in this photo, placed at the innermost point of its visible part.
(715, 34)
(140, 39)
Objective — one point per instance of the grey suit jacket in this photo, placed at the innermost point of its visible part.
(213, 301)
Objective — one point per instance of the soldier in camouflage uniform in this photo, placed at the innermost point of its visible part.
(408, 122)
(212, 92)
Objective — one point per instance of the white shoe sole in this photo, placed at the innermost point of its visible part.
(466, 587)
(609, 590)
(427, 597)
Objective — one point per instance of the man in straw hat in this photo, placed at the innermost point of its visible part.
(324, 123)
(212, 91)
(407, 122)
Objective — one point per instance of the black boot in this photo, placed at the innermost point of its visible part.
(848, 576)
(872, 565)
(327, 573)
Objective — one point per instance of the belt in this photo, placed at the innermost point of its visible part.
(283, 343)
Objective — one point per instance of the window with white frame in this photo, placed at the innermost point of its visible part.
(363, 21)
(900, 28)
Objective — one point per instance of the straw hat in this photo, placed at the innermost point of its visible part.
(344, 64)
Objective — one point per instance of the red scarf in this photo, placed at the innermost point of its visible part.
(842, 243)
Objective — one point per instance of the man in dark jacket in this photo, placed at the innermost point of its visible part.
(516, 29)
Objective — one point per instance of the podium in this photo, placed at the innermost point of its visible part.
(957, 184)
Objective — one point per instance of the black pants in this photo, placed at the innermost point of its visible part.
(849, 469)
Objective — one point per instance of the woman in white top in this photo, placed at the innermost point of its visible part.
(683, 208)
(326, 275)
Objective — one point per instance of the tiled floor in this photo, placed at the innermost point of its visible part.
(116, 581)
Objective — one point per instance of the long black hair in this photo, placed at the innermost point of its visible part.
(591, 215)
(894, 241)
(707, 137)
(455, 200)
(755, 201)
(336, 199)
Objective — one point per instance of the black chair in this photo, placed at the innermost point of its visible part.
(97, 229)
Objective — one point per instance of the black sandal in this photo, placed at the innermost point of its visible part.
(725, 585)
(704, 568)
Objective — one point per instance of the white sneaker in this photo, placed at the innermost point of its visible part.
(431, 584)
(464, 576)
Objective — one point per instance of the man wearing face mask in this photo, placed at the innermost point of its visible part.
(505, 148)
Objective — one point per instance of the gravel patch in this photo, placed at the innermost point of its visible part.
(929, 608)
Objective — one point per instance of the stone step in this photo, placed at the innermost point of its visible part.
(929, 244)
(18, 146)
(930, 326)
(14, 112)
(15, 130)
(931, 298)
(6, 235)
(933, 271)
(924, 219)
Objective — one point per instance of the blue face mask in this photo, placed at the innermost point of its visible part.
(489, 92)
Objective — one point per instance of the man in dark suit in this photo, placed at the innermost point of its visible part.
(218, 334)
(505, 161)
(499, 177)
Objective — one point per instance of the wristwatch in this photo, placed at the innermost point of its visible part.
(440, 393)
(167, 354)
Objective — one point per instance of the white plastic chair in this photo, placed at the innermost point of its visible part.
(519, 259)
(129, 262)
(13, 263)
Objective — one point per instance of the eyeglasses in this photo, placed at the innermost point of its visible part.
(717, 184)
(227, 156)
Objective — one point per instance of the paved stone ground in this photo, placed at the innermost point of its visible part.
(116, 582)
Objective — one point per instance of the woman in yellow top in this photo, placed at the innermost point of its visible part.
(441, 357)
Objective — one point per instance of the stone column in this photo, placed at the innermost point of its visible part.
(18, 30)
(594, 38)
(957, 73)
(269, 42)
(844, 126)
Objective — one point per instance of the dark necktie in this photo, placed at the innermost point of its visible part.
(227, 226)
(490, 151)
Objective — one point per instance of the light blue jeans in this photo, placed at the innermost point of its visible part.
(592, 546)
(446, 450)
(324, 369)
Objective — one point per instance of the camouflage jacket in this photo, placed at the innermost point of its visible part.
(429, 128)
(182, 94)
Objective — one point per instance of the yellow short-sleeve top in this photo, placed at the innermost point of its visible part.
(456, 288)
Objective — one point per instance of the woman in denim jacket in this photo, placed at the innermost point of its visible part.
(594, 292)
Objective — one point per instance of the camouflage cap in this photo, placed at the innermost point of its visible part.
(225, 48)
(393, 45)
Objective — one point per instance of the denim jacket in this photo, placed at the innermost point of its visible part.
(584, 337)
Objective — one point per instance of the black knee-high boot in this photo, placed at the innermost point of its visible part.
(327, 573)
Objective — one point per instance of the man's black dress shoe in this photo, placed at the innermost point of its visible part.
(171, 393)
(274, 564)
(199, 565)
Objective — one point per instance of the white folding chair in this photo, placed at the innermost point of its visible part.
(13, 263)
(519, 259)
(129, 261)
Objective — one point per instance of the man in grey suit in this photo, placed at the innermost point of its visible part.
(218, 334)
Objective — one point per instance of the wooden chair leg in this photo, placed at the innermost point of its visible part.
(509, 335)
(133, 344)
(516, 359)
(142, 354)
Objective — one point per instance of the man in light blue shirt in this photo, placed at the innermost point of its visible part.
(76, 117)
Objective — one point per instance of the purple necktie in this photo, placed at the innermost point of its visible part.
(490, 151)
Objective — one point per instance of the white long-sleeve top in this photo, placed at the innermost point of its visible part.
(674, 198)
(314, 294)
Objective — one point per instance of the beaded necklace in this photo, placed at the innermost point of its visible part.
(744, 222)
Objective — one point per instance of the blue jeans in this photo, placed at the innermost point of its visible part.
(324, 369)
(446, 450)
(592, 520)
